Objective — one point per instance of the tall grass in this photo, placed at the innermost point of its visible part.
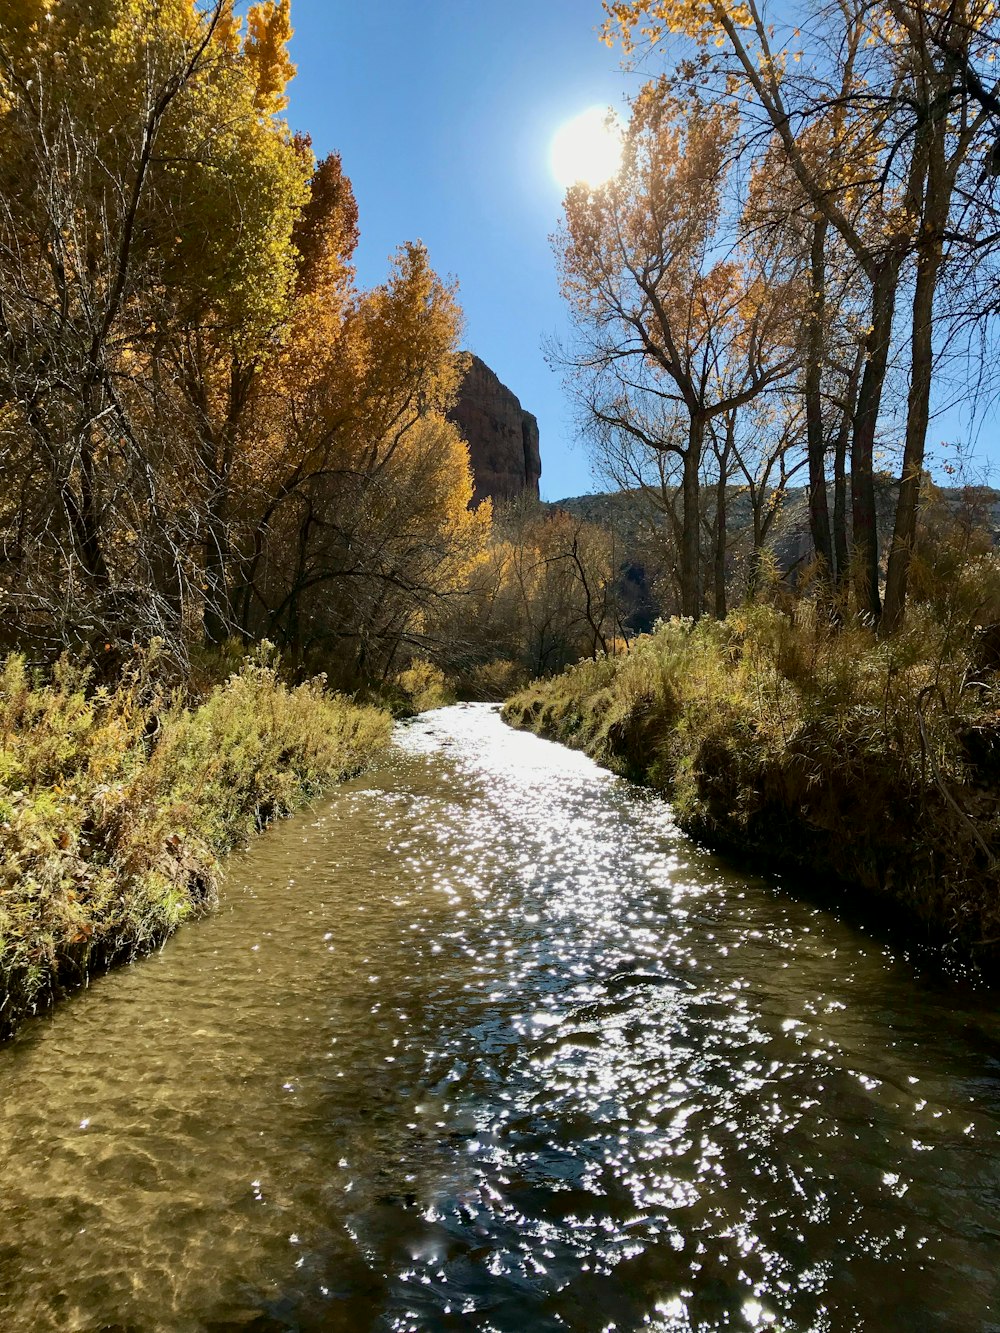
(115, 805)
(876, 762)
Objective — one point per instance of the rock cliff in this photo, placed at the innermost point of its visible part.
(503, 438)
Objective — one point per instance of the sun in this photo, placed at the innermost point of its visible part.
(587, 149)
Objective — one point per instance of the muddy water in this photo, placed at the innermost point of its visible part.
(484, 1043)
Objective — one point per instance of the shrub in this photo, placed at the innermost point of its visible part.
(492, 682)
(116, 805)
(425, 686)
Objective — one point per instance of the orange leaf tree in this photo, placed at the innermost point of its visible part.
(674, 329)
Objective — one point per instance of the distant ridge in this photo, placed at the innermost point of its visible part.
(640, 556)
(790, 538)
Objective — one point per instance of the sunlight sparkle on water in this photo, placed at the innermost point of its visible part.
(563, 1064)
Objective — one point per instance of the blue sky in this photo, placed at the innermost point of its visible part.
(443, 111)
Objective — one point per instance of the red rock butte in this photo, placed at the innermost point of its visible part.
(502, 436)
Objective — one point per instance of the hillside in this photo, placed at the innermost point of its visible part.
(645, 544)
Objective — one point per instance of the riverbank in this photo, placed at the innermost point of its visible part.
(116, 805)
(485, 1031)
(873, 763)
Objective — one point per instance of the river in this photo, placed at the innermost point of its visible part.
(482, 1042)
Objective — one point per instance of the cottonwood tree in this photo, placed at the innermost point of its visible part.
(777, 209)
(356, 500)
(947, 122)
(893, 92)
(756, 455)
(669, 330)
(208, 428)
(218, 350)
(546, 593)
(146, 191)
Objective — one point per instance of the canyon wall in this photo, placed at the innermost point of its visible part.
(502, 436)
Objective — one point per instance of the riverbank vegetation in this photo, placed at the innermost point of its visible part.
(213, 437)
(872, 761)
(115, 805)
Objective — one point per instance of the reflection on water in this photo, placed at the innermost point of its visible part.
(484, 1043)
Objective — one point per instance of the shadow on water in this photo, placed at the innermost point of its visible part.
(484, 1043)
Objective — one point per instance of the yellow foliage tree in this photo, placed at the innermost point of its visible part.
(354, 486)
(269, 30)
(149, 205)
(667, 330)
(210, 429)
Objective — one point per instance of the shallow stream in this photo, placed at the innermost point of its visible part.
(483, 1042)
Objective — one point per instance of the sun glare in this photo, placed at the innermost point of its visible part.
(586, 149)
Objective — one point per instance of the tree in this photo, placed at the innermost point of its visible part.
(545, 595)
(210, 430)
(667, 327)
(145, 198)
(355, 499)
(901, 107)
(946, 124)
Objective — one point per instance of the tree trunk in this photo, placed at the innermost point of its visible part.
(82, 504)
(724, 457)
(840, 543)
(819, 515)
(691, 526)
(921, 364)
(864, 553)
(720, 543)
(757, 500)
(217, 616)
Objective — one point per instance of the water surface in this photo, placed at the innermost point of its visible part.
(484, 1043)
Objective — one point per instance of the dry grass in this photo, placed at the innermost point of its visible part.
(116, 805)
(877, 762)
